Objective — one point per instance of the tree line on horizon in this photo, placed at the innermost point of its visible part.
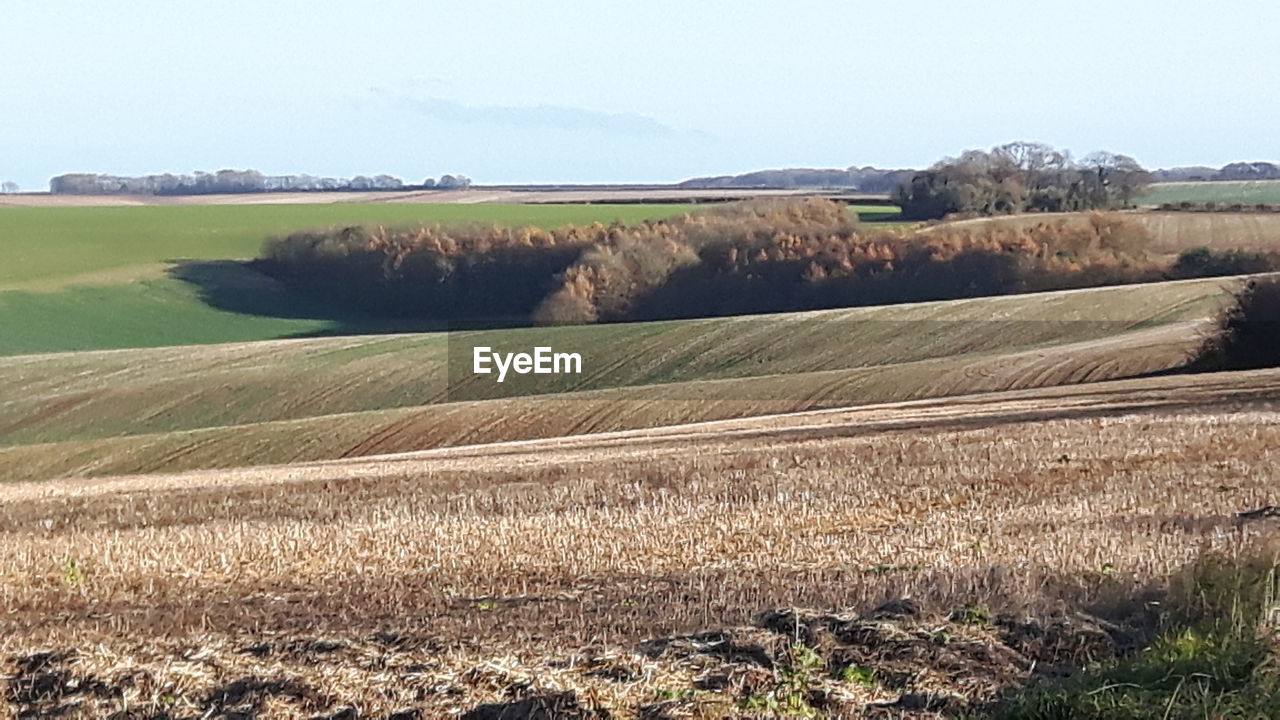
(868, 179)
(978, 182)
(236, 181)
(874, 180)
(1232, 172)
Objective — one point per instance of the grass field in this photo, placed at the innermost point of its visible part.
(1245, 191)
(80, 278)
(47, 248)
(460, 577)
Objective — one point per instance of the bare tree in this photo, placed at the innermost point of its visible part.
(1022, 176)
(9, 187)
(1117, 175)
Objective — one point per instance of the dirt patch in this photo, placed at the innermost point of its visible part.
(893, 662)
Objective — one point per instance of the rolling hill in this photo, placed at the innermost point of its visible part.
(111, 412)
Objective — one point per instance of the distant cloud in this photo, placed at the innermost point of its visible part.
(555, 117)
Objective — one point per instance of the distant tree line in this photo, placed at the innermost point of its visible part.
(1233, 171)
(884, 181)
(9, 187)
(235, 181)
(1022, 177)
(865, 179)
(762, 256)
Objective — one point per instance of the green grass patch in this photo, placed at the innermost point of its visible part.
(1242, 191)
(880, 214)
(1215, 656)
(45, 244)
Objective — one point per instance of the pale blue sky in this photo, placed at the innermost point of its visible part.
(658, 90)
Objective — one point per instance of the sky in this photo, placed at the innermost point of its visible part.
(612, 91)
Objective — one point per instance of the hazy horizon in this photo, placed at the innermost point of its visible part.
(614, 92)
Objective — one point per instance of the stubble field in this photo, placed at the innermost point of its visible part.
(500, 566)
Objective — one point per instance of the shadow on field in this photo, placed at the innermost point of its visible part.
(235, 286)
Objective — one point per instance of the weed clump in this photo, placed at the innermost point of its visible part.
(1214, 656)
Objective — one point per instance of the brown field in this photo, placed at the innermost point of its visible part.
(448, 578)
(1174, 232)
(1223, 231)
(576, 413)
(114, 412)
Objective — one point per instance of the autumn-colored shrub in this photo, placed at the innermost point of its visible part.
(434, 272)
(753, 257)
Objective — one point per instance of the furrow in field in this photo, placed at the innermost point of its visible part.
(544, 416)
(1255, 392)
(135, 392)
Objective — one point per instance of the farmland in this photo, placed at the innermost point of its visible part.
(348, 522)
(449, 579)
(1223, 231)
(113, 412)
(1171, 232)
(1221, 191)
(639, 361)
(79, 278)
(88, 277)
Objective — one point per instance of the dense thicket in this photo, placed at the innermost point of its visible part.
(1207, 262)
(468, 273)
(733, 259)
(232, 181)
(1248, 332)
(1021, 177)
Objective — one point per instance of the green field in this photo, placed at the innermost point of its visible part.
(83, 278)
(1244, 191)
(880, 214)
